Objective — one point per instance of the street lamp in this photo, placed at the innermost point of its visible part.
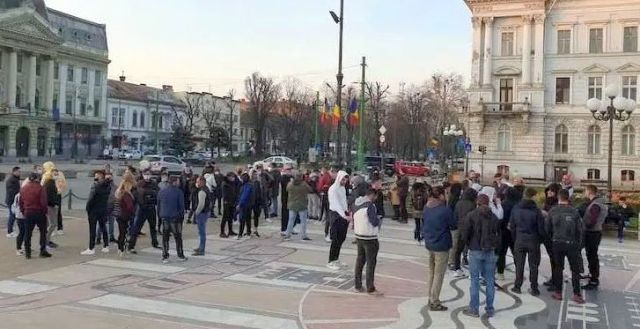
(339, 20)
(454, 132)
(618, 109)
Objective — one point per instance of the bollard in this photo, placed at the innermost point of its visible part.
(70, 195)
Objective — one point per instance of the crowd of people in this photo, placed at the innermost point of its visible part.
(460, 224)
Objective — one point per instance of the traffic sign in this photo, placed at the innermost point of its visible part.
(382, 130)
(382, 139)
(467, 148)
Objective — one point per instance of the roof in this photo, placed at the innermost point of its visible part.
(140, 93)
(78, 31)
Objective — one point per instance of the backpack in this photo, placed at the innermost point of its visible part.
(488, 229)
(417, 199)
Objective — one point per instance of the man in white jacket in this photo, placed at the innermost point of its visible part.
(340, 217)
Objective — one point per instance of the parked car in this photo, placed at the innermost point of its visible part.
(131, 155)
(374, 162)
(196, 159)
(276, 162)
(168, 163)
(412, 168)
(104, 157)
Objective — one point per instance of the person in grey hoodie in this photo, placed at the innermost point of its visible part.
(366, 225)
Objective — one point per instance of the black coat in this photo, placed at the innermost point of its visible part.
(13, 187)
(98, 199)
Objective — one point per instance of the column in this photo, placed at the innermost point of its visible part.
(62, 93)
(488, 42)
(526, 50)
(539, 48)
(49, 83)
(12, 80)
(475, 57)
(77, 76)
(91, 83)
(31, 83)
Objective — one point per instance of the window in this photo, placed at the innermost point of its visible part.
(153, 120)
(627, 175)
(563, 90)
(564, 41)
(507, 44)
(141, 119)
(630, 87)
(121, 117)
(504, 138)
(98, 79)
(85, 76)
(160, 121)
(38, 64)
(96, 108)
(134, 119)
(506, 94)
(595, 87)
(593, 174)
(36, 102)
(68, 104)
(630, 39)
(114, 117)
(595, 40)
(70, 73)
(83, 107)
(593, 140)
(562, 139)
(56, 97)
(19, 63)
(18, 97)
(628, 140)
(56, 71)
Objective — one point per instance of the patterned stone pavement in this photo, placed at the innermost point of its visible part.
(268, 283)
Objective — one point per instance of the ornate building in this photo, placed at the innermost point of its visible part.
(534, 65)
(53, 81)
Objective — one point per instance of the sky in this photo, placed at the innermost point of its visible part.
(213, 45)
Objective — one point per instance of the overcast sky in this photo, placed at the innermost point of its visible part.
(212, 45)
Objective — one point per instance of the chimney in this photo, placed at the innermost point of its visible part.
(123, 78)
(167, 88)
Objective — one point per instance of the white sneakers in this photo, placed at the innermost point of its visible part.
(19, 252)
(458, 274)
(105, 250)
(88, 252)
(335, 266)
(12, 235)
(327, 238)
(59, 232)
(500, 276)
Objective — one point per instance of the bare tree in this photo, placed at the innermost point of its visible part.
(262, 94)
(294, 117)
(376, 93)
(192, 111)
(232, 106)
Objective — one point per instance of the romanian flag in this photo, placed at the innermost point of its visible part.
(354, 116)
(324, 115)
(336, 115)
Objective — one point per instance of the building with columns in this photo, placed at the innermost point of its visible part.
(53, 82)
(535, 63)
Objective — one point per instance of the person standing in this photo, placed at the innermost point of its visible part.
(259, 201)
(482, 235)
(565, 228)
(366, 225)
(275, 192)
(245, 203)
(124, 209)
(376, 184)
(623, 213)
(314, 196)
(455, 191)
(219, 180)
(204, 205)
(325, 181)
(528, 231)
(171, 212)
(97, 212)
(297, 192)
(438, 222)
(110, 204)
(466, 205)
(594, 217)
(33, 205)
(19, 218)
(49, 184)
(230, 199)
(567, 185)
(512, 197)
(12, 187)
(285, 178)
(403, 193)
(340, 217)
(418, 200)
(147, 199)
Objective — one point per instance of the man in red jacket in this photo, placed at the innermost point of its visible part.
(325, 181)
(33, 205)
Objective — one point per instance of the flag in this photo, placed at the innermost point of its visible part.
(336, 115)
(354, 116)
(324, 116)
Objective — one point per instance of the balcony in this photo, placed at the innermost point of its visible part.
(503, 108)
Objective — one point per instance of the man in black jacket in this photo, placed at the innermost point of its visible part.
(97, 212)
(285, 178)
(466, 204)
(512, 197)
(147, 199)
(230, 199)
(565, 229)
(12, 188)
(528, 231)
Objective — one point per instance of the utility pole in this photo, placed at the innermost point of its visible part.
(339, 78)
(361, 116)
(157, 118)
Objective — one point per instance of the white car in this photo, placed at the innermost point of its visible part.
(132, 155)
(276, 161)
(168, 163)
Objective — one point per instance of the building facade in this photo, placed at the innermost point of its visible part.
(132, 112)
(535, 63)
(53, 82)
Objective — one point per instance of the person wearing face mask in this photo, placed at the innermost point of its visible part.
(340, 218)
(97, 212)
(147, 199)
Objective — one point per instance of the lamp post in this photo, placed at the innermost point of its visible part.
(454, 132)
(618, 109)
(339, 20)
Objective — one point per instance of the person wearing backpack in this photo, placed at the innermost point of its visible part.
(418, 199)
(482, 235)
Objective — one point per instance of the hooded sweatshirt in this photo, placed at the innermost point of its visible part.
(496, 208)
(338, 196)
(297, 191)
(438, 221)
(466, 204)
(366, 223)
(527, 223)
(360, 188)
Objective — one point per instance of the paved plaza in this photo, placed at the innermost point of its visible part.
(268, 283)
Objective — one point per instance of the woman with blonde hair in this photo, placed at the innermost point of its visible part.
(124, 209)
(53, 201)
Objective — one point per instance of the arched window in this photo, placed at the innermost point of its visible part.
(593, 140)
(562, 139)
(141, 119)
(504, 138)
(628, 140)
(134, 119)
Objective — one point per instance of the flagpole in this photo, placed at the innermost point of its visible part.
(361, 117)
(316, 114)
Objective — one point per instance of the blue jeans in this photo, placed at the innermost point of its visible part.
(274, 205)
(110, 227)
(482, 262)
(134, 221)
(12, 219)
(303, 222)
(201, 220)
